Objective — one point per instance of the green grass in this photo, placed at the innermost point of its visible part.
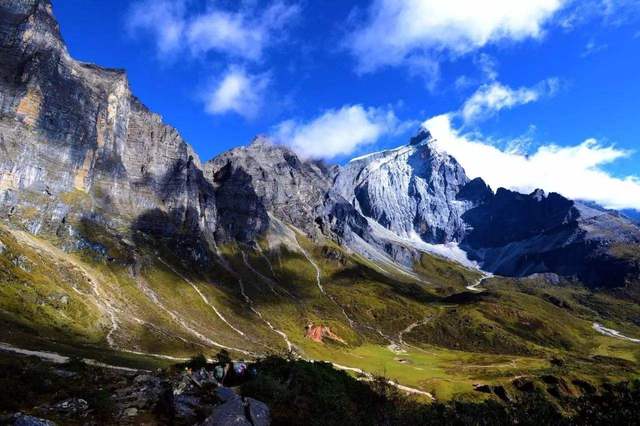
(515, 328)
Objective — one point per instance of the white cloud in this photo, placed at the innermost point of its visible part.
(609, 12)
(494, 97)
(592, 47)
(164, 19)
(573, 171)
(238, 92)
(396, 31)
(338, 131)
(242, 34)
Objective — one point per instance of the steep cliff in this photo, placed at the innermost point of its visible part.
(263, 178)
(77, 144)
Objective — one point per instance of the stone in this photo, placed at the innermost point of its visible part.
(259, 412)
(146, 392)
(185, 408)
(3, 248)
(25, 420)
(263, 178)
(72, 130)
(71, 406)
(131, 412)
(230, 413)
(225, 394)
(23, 263)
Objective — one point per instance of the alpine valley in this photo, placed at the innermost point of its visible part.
(119, 246)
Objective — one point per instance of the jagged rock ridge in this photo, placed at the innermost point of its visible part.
(78, 146)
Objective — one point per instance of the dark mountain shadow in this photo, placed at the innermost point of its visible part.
(242, 215)
(515, 234)
(510, 216)
(349, 276)
(175, 235)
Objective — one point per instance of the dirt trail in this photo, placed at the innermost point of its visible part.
(56, 358)
(259, 314)
(249, 301)
(181, 322)
(369, 377)
(475, 287)
(351, 322)
(101, 298)
(264, 256)
(612, 333)
(270, 283)
(410, 328)
(202, 296)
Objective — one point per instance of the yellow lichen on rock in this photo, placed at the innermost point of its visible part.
(8, 180)
(30, 106)
(80, 180)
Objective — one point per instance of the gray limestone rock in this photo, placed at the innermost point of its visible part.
(75, 144)
(25, 420)
(78, 150)
(263, 178)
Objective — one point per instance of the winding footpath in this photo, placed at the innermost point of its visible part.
(351, 322)
(475, 287)
(56, 358)
(259, 315)
(182, 323)
(202, 296)
(369, 377)
(410, 328)
(612, 333)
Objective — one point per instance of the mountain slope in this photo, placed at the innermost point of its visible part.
(116, 241)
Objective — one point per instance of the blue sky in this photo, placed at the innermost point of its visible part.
(520, 88)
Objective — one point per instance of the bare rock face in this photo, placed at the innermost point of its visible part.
(78, 149)
(251, 182)
(423, 195)
(411, 191)
(76, 142)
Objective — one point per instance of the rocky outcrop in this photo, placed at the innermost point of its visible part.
(411, 191)
(422, 195)
(76, 143)
(318, 333)
(263, 178)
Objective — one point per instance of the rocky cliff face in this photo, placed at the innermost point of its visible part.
(411, 191)
(73, 133)
(263, 178)
(423, 195)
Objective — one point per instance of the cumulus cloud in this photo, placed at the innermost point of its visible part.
(243, 34)
(238, 92)
(574, 171)
(493, 97)
(396, 32)
(163, 19)
(338, 132)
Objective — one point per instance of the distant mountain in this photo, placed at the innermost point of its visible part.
(421, 194)
(632, 214)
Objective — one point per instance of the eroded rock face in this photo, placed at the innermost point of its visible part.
(75, 141)
(263, 178)
(78, 149)
(423, 195)
(411, 191)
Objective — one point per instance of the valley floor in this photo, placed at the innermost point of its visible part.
(441, 334)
